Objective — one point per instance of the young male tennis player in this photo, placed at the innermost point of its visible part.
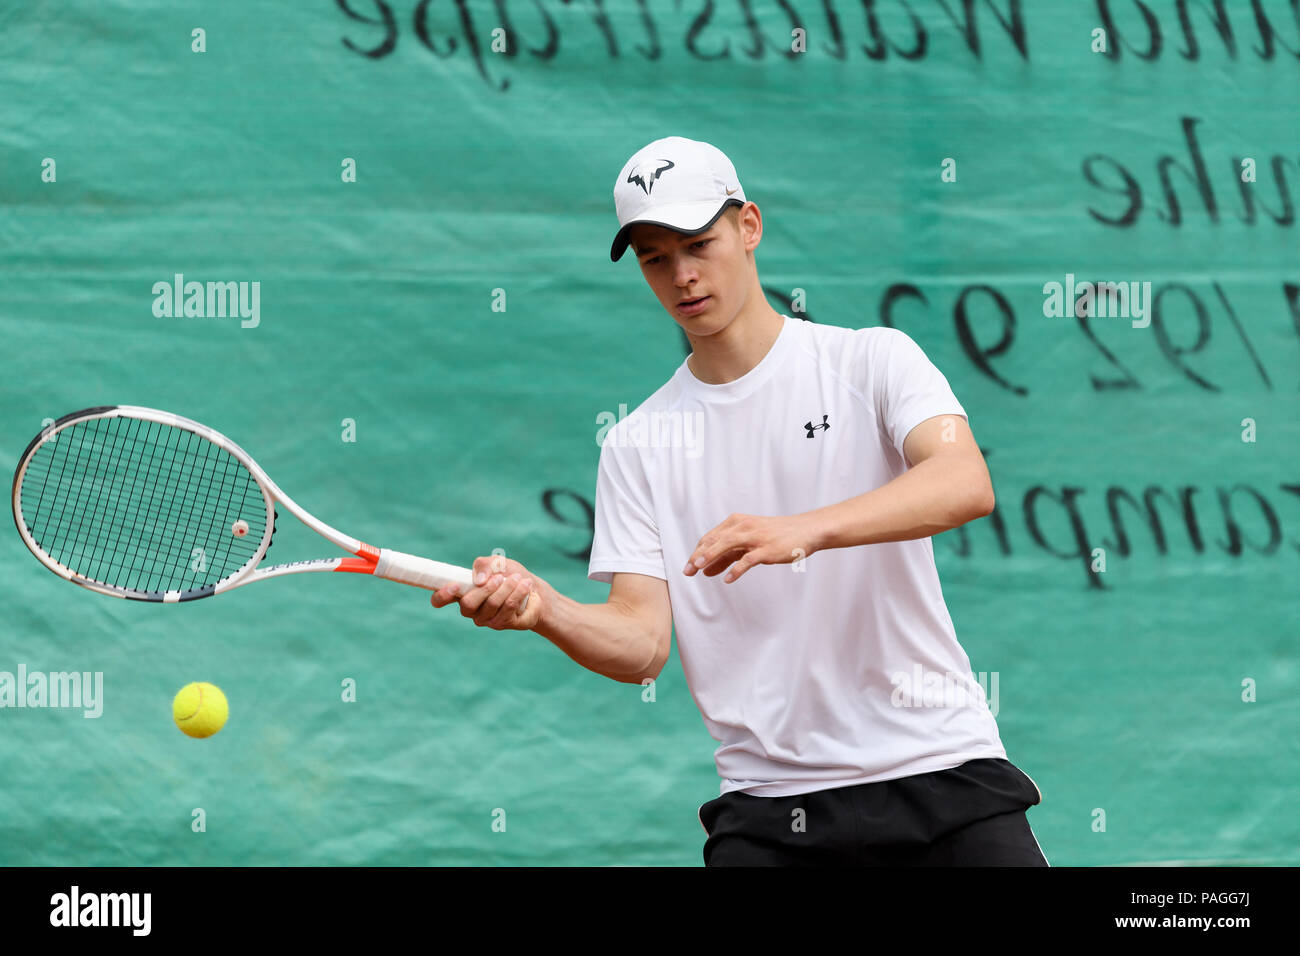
(812, 464)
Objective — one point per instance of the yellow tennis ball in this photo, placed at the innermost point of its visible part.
(200, 710)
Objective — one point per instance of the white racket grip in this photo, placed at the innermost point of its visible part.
(421, 572)
(424, 573)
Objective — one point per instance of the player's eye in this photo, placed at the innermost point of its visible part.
(699, 244)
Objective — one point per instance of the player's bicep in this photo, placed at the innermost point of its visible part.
(950, 437)
(645, 598)
(942, 434)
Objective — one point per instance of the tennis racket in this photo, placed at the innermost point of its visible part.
(143, 504)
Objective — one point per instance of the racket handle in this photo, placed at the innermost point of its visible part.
(424, 573)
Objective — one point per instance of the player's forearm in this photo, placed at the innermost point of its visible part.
(931, 497)
(601, 637)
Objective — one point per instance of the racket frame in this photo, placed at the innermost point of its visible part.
(381, 562)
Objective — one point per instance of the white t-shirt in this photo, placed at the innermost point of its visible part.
(842, 668)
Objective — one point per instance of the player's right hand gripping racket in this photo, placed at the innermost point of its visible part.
(143, 504)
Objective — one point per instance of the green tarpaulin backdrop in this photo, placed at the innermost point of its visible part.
(435, 341)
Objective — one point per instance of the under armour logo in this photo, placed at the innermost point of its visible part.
(646, 172)
(812, 428)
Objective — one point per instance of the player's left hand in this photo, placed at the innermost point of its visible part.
(742, 541)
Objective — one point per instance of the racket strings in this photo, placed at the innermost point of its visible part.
(142, 506)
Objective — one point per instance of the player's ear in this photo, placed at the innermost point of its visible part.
(749, 221)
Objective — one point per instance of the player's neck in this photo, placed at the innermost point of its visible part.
(732, 352)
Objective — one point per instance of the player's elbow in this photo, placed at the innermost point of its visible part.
(984, 504)
(979, 496)
(650, 672)
(645, 679)
(643, 628)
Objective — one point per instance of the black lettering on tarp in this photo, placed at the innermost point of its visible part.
(1120, 543)
(1200, 178)
(966, 335)
(696, 28)
(1103, 384)
(1215, 13)
(1219, 20)
(1295, 490)
(959, 539)
(1065, 498)
(1197, 175)
(1267, 33)
(1174, 353)
(896, 291)
(964, 16)
(1132, 189)
(652, 30)
(388, 44)
(1292, 292)
(699, 40)
(1013, 24)
(588, 523)
(761, 42)
(603, 25)
(1248, 189)
(469, 31)
(1236, 540)
(1115, 37)
(552, 34)
(880, 50)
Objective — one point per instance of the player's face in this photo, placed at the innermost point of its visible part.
(700, 280)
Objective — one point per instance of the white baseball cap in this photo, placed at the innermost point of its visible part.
(675, 182)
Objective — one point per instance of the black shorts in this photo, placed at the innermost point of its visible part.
(971, 815)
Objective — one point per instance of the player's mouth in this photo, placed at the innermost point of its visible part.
(694, 306)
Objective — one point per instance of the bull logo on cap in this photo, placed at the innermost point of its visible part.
(645, 173)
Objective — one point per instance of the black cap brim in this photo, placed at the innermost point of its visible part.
(621, 238)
